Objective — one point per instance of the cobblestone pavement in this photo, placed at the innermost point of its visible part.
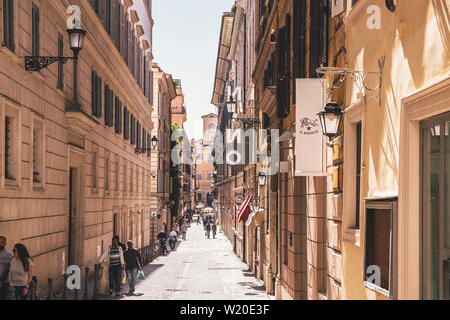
(199, 269)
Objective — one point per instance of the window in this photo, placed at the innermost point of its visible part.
(138, 135)
(133, 129)
(353, 164)
(109, 112)
(60, 64)
(380, 246)
(126, 124)
(8, 24)
(117, 177)
(118, 116)
(94, 171)
(358, 175)
(38, 151)
(96, 91)
(34, 30)
(10, 147)
(106, 174)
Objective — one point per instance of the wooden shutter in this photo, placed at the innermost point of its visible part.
(149, 144)
(108, 14)
(283, 83)
(299, 43)
(102, 10)
(324, 14)
(133, 129)
(138, 134)
(314, 39)
(8, 24)
(130, 45)
(93, 92)
(98, 96)
(126, 124)
(34, 30)
(109, 116)
(144, 138)
(122, 32)
(150, 82)
(118, 119)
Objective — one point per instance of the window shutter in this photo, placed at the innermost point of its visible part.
(144, 85)
(283, 83)
(138, 135)
(126, 124)
(149, 144)
(133, 129)
(121, 32)
(324, 13)
(110, 114)
(8, 24)
(118, 119)
(98, 95)
(144, 138)
(130, 45)
(108, 13)
(93, 92)
(34, 30)
(314, 39)
(299, 44)
(102, 10)
(150, 95)
(106, 93)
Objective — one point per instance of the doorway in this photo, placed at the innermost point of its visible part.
(435, 191)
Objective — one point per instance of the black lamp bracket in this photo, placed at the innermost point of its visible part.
(39, 63)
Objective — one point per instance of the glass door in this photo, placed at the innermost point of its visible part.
(435, 188)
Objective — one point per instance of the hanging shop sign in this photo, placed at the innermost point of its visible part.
(310, 146)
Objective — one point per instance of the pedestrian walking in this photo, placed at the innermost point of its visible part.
(133, 263)
(162, 237)
(20, 272)
(208, 230)
(214, 229)
(5, 259)
(184, 230)
(122, 245)
(114, 256)
(172, 240)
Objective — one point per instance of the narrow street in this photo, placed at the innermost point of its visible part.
(199, 269)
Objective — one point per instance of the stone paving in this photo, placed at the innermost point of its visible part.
(199, 269)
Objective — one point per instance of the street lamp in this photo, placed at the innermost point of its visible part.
(330, 119)
(231, 105)
(262, 178)
(154, 142)
(76, 40)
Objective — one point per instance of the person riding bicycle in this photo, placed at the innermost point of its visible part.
(162, 237)
(214, 229)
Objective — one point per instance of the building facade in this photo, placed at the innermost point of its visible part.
(70, 177)
(164, 93)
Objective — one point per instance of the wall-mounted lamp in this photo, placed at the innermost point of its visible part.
(330, 119)
(262, 178)
(391, 5)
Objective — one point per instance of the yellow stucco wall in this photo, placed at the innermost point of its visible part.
(415, 41)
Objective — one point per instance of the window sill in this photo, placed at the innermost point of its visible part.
(376, 289)
(353, 236)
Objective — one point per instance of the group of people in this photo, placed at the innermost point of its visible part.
(16, 270)
(173, 235)
(122, 259)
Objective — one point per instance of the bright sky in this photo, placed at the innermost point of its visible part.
(185, 44)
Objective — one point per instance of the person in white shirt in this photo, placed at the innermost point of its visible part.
(172, 239)
(20, 271)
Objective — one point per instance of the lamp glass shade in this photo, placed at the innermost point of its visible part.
(76, 39)
(262, 179)
(154, 141)
(330, 119)
(231, 106)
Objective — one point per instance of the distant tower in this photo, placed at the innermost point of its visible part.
(209, 128)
